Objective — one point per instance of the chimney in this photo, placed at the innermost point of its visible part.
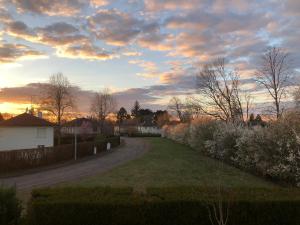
(40, 115)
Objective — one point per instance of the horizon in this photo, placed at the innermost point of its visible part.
(148, 51)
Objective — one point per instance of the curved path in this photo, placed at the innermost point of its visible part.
(133, 148)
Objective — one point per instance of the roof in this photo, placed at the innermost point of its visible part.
(78, 122)
(25, 120)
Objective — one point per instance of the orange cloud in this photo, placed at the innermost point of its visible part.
(12, 52)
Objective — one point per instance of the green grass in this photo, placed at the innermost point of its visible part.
(172, 164)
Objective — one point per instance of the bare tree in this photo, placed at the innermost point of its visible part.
(248, 104)
(57, 98)
(176, 106)
(219, 202)
(296, 96)
(219, 90)
(273, 74)
(103, 103)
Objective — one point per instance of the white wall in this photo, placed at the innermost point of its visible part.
(12, 138)
(149, 130)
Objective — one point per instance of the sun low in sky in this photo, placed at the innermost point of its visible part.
(141, 50)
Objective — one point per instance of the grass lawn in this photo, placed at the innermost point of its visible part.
(172, 164)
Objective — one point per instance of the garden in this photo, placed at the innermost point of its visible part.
(171, 184)
(271, 151)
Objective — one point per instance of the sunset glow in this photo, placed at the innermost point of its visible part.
(146, 50)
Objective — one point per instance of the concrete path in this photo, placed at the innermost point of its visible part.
(133, 148)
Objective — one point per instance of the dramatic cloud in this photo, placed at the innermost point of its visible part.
(60, 34)
(20, 30)
(161, 42)
(49, 7)
(56, 34)
(31, 94)
(115, 27)
(120, 29)
(150, 68)
(98, 3)
(12, 52)
(157, 5)
(85, 51)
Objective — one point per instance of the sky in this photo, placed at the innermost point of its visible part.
(146, 50)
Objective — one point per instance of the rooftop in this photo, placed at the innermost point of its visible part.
(26, 120)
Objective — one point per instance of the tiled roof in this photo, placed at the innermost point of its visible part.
(25, 120)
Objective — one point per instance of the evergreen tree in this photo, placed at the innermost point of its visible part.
(122, 115)
(1, 117)
(258, 119)
(135, 112)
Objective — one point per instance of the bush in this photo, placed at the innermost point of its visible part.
(179, 133)
(272, 151)
(144, 135)
(69, 138)
(161, 206)
(10, 207)
(202, 130)
(114, 141)
(223, 146)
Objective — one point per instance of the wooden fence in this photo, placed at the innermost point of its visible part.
(19, 160)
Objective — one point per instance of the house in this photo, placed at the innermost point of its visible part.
(127, 127)
(148, 126)
(26, 131)
(86, 126)
(81, 125)
(132, 126)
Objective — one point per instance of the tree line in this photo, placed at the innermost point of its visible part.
(219, 92)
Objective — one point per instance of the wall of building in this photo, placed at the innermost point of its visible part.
(13, 138)
(149, 130)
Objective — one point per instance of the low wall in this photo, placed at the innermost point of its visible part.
(19, 160)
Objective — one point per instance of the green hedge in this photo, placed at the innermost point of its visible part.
(10, 207)
(144, 135)
(175, 206)
(114, 140)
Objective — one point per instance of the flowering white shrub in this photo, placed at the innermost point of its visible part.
(223, 146)
(272, 151)
(201, 130)
(179, 133)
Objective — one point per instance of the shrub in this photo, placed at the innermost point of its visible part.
(161, 206)
(202, 130)
(224, 143)
(10, 207)
(179, 133)
(272, 151)
(114, 141)
(144, 135)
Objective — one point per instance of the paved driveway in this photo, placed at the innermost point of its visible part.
(133, 148)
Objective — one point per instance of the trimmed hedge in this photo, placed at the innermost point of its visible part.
(10, 207)
(157, 206)
(113, 140)
(144, 135)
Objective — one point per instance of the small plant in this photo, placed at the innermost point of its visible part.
(10, 207)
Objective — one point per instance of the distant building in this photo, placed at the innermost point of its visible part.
(132, 126)
(81, 125)
(148, 126)
(86, 126)
(26, 131)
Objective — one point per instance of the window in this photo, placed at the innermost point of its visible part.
(41, 132)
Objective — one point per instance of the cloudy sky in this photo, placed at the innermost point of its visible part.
(142, 50)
